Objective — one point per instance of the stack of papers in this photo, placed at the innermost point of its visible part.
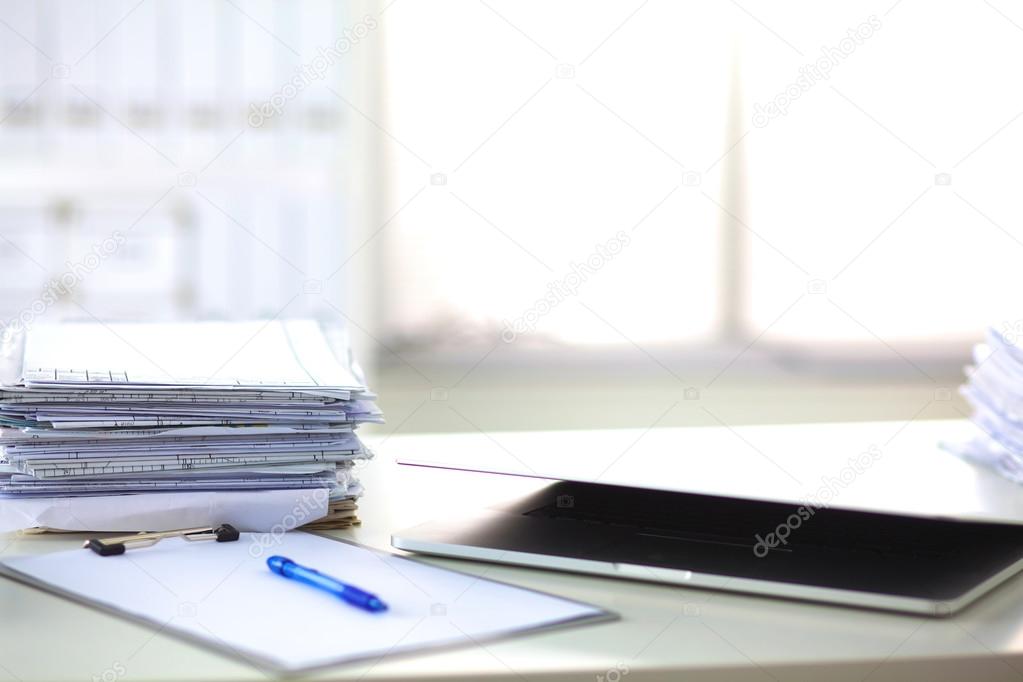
(995, 391)
(93, 410)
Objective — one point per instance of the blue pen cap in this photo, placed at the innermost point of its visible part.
(277, 563)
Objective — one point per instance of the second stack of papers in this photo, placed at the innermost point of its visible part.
(995, 391)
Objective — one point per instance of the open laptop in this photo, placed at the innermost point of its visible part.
(862, 514)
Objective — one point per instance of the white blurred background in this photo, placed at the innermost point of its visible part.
(812, 206)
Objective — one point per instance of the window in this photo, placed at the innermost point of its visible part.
(515, 164)
(796, 174)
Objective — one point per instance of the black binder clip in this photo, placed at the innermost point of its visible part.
(119, 545)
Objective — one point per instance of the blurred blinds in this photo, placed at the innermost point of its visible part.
(165, 158)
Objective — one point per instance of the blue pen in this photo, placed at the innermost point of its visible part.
(351, 594)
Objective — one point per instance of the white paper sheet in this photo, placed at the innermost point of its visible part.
(260, 511)
(274, 353)
(223, 595)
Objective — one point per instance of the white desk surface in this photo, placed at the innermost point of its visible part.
(664, 632)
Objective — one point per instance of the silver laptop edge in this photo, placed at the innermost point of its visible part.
(710, 581)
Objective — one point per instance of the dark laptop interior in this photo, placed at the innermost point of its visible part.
(935, 559)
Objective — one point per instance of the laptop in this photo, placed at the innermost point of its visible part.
(873, 515)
